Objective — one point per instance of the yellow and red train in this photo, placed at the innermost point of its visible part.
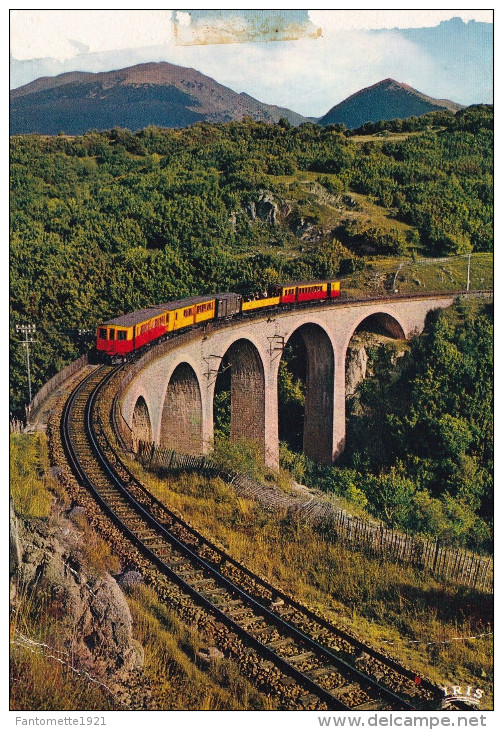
(121, 336)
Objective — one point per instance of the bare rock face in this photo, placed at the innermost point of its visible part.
(14, 546)
(356, 367)
(95, 623)
(267, 208)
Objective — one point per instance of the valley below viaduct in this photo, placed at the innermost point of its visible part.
(167, 396)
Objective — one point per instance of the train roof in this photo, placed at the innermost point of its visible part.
(180, 303)
(227, 295)
(132, 318)
(307, 282)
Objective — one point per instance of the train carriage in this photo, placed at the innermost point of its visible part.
(186, 312)
(307, 291)
(227, 304)
(122, 335)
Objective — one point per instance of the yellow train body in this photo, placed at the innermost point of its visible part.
(258, 303)
(191, 314)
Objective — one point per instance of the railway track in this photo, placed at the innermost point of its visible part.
(310, 662)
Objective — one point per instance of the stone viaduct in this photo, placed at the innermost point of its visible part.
(170, 398)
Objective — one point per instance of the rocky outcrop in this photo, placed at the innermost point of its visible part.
(267, 208)
(382, 361)
(92, 613)
(356, 367)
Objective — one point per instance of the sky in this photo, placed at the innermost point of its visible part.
(301, 59)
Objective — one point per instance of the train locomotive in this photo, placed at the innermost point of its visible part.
(119, 338)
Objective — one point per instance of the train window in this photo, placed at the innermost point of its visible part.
(187, 312)
(121, 334)
(102, 334)
(144, 328)
(111, 335)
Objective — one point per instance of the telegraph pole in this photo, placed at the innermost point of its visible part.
(27, 330)
(468, 273)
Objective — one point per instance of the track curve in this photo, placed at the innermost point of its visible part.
(311, 660)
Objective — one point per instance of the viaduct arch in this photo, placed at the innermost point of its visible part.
(170, 395)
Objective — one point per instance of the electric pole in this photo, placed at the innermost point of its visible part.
(27, 330)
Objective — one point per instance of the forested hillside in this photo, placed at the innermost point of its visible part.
(419, 448)
(108, 222)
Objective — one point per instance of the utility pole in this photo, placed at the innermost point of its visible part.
(394, 289)
(27, 330)
(468, 273)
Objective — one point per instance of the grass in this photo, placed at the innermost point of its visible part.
(171, 670)
(31, 487)
(395, 608)
(387, 137)
(43, 673)
(420, 276)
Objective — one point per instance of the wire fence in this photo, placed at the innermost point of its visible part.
(458, 565)
(54, 383)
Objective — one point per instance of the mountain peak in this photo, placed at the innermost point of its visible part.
(159, 94)
(386, 99)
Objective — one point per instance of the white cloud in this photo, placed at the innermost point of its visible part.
(49, 33)
(344, 20)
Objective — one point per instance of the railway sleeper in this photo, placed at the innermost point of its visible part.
(158, 544)
(240, 612)
(220, 593)
(153, 539)
(372, 705)
(249, 623)
(174, 562)
(164, 554)
(203, 582)
(279, 643)
(123, 510)
(309, 702)
(341, 691)
(147, 534)
(262, 631)
(298, 658)
(190, 574)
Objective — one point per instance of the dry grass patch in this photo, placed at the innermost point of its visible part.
(393, 607)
